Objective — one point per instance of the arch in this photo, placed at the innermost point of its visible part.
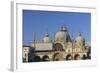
(84, 57)
(69, 57)
(37, 59)
(45, 58)
(77, 57)
(58, 47)
(57, 57)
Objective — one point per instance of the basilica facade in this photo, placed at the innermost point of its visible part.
(61, 48)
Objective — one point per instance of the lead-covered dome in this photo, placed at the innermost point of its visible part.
(46, 39)
(62, 35)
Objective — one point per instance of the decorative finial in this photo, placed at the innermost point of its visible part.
(79, 34)
(63, 28)
(47, 35)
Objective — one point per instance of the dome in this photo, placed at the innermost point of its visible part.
(46, 39)
(62, 35)
(80, 40)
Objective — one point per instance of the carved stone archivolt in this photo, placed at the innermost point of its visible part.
(58, 56)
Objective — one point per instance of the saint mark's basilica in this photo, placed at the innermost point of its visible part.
(61, 48)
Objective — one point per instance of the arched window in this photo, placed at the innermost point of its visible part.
(25, 55)
(58, 47)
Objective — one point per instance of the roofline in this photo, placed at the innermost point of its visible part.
(26, 46)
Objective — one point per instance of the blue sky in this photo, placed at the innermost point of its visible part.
(40, 22)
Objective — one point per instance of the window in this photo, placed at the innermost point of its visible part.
(58, 47)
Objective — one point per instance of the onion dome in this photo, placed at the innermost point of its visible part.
(46, 39)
